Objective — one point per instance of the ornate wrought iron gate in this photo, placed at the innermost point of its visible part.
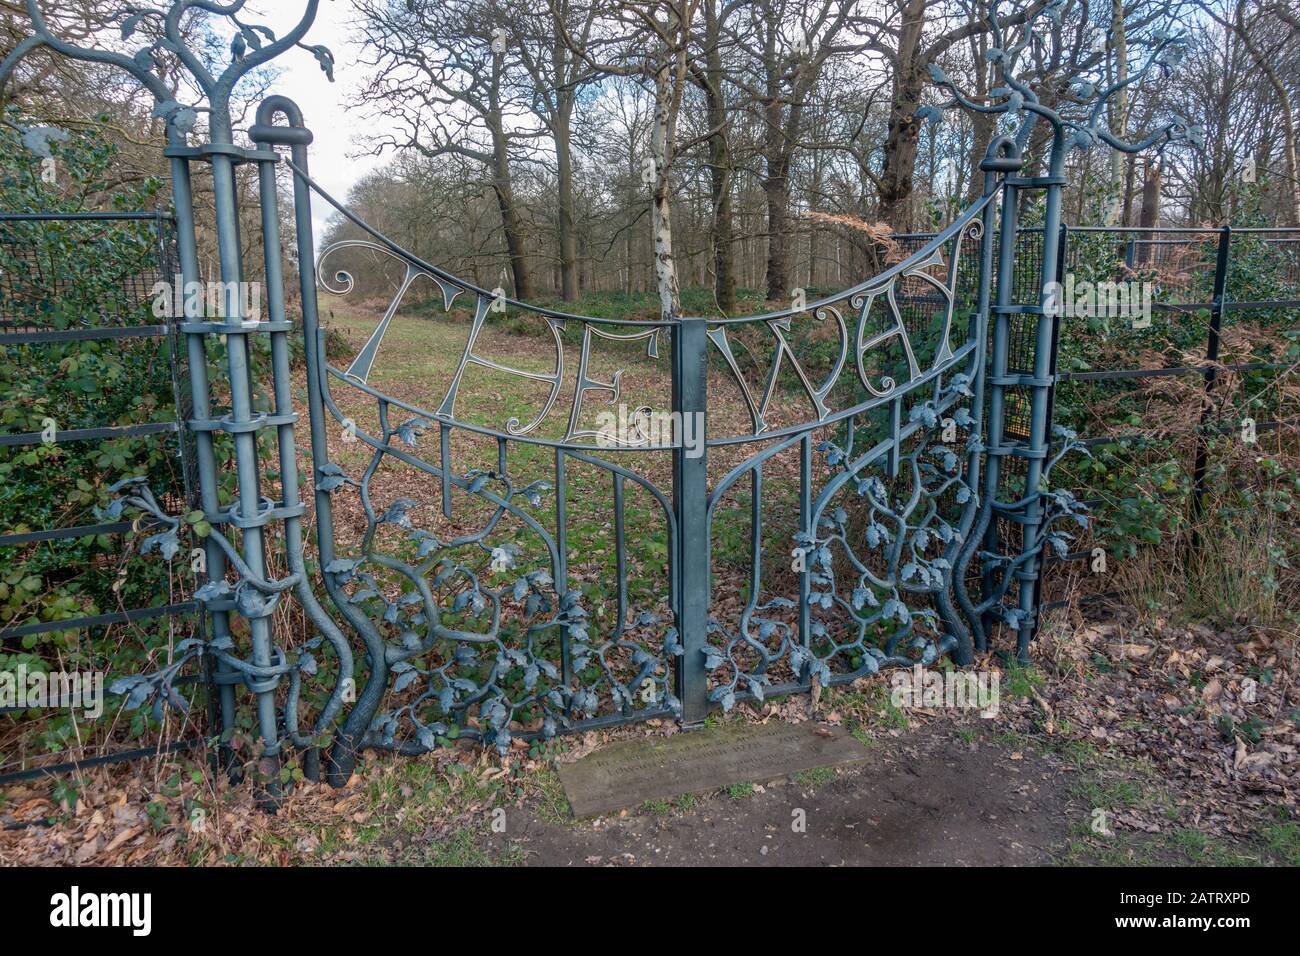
(909, 519)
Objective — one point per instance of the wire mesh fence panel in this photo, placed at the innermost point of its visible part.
(1173, 398)
(91, 379)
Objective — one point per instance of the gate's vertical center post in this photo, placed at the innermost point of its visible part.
(690, 506)
(999, 349)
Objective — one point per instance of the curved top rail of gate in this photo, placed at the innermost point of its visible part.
(849, 311)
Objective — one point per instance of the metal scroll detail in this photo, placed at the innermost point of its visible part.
(885, 508)
(885, 543)
(478, 631)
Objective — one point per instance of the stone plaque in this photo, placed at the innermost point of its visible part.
(630, 772)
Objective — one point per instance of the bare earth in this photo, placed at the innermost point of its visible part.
(925, 798)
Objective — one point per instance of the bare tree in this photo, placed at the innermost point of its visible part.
(651, 41)
(789, 43)
(440, 74)
(902, 40)
(712, 79)
(555, 74)
(1268, 31)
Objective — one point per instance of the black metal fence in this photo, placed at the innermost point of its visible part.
(1206, 285)
(1223, 302)
(77, 320)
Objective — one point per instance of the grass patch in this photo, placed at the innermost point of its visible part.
(1282, 842)
(1178, 847)
(814, 778)
(552, 804)
(460, 849)
(1021, 680)
(866, 710)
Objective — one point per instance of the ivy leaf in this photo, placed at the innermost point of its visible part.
(37, 139)
(326, 60)
(331, 482)
(213, 591)
(897, 609)
(408, 431)
(930, 114)
(252, 603)
(397, 513)
(166, 542)
(725, 696)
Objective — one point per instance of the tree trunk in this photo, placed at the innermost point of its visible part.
(1149, 216)
(661, 210)
(564, 185)
(1280, 91)
(781, 137)
(1118, 115)
(724, 254)
(776, 190)
(720, 173)
(904, 132)
(510, 223)
(984, 125)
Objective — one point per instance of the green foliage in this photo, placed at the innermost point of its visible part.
(67, 276)
(1144, 489)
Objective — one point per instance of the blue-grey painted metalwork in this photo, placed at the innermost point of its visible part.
(901, 447)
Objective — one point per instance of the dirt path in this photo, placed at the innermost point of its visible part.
(925, 798)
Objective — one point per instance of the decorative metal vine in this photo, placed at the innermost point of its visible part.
(898, 558)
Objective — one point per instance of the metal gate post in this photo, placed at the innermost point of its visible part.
(996, 373)
(1062, 253)
(1201, 464)
(251, 511)
(1042, 385)
(247, 514)
(201, 413)
(690, 506)
(345, 750)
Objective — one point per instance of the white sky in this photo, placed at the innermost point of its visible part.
(336, 130)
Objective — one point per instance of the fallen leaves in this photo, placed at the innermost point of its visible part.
(1172, 695)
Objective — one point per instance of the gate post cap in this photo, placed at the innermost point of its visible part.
(1002, 156)
(265, 129)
